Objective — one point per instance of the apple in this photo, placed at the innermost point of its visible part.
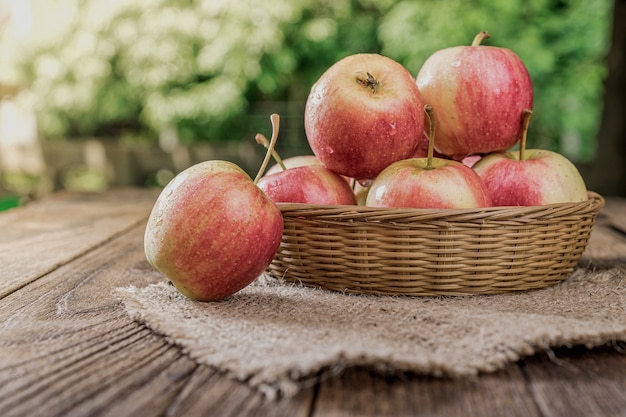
(212, 231)
(310, 184)
(298, 161)
(303, 179)
(530, 177)
(479, 93)
(362, 114)
(428, 183)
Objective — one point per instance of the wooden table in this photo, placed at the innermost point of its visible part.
(67, 347)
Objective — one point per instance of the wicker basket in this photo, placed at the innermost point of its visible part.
(424, 252)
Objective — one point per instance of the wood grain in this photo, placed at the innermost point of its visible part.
(578, 382)
(361, 392)
(67, 347)
(41, 236)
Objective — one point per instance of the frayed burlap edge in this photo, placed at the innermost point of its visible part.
(279, 337)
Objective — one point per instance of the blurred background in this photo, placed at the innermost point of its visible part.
(103, 93)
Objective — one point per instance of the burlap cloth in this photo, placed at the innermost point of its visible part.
(274, 335)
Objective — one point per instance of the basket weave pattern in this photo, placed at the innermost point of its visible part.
(424, 252)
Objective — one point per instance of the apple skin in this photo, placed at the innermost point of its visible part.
(293, 162)
(479, 94)
(212, 231)
(309, 184)
(362, 114)
(407, 183)
(543, 177)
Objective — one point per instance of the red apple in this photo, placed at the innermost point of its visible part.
(410, 183)
(307, 181)
(298, 161)
(212, 231)
(530, 177)
(428, 183)
(479, 93)
(363, 113)
(311, 184)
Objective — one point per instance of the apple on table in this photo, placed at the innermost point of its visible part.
(212, 230)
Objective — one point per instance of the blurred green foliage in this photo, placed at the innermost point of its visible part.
(119, 68)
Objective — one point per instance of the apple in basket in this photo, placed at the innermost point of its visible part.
(530, 177)
(479, 93)
(362, 114)
(294, 161)
(212, 231)
(428, 182)
(309, 183)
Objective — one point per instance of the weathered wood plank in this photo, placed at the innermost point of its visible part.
(579, 383)
(209, 394)
(361, 392)
(41, 236)
(68, 347)
(65, 338)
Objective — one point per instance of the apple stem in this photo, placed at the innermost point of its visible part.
(262, 140)
(368, 82)
(275, 119)
(480, 37)
(431, 136)
(525, 123)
